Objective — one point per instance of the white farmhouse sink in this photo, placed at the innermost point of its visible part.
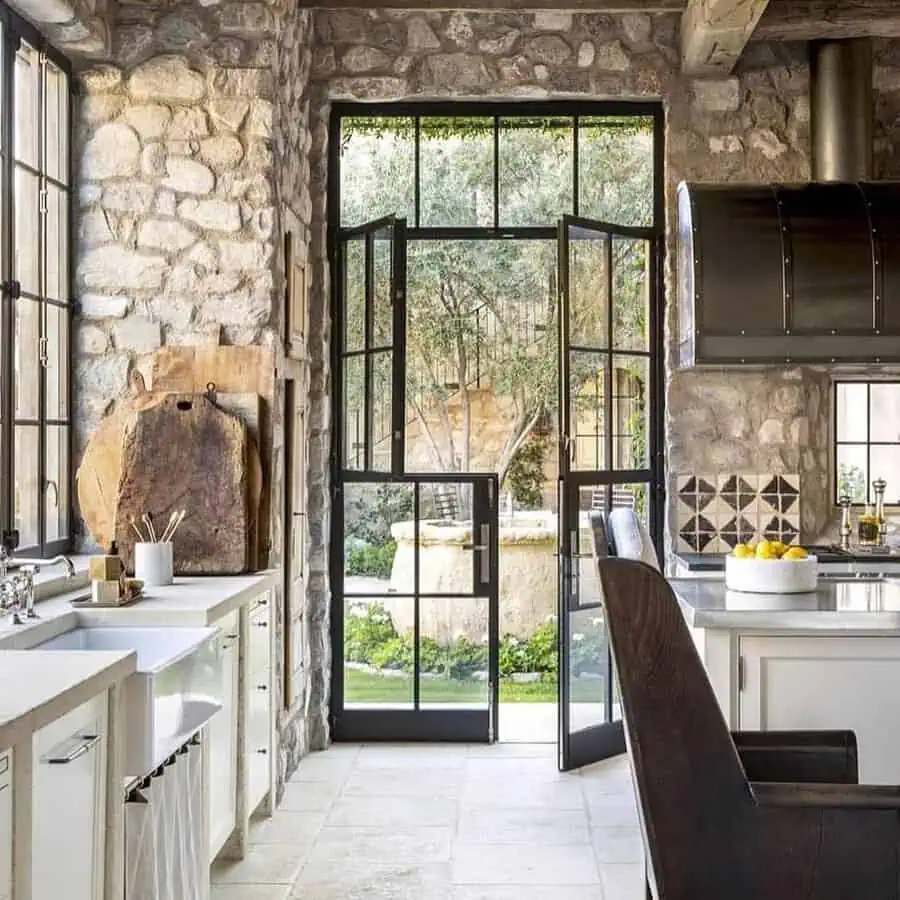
(175, 691)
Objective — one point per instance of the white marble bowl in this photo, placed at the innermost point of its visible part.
(771, 576)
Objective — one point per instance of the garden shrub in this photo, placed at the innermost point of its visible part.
(525, 479)
(374, 561)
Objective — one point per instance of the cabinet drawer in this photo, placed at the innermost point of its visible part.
(6, 828)
(261, 602)
(69, 804)
(259, 657)
(259, 741)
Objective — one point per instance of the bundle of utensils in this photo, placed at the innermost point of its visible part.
(149, 536)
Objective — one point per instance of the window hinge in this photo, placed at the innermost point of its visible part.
(43, 202)
(43, 356)
(741, 674)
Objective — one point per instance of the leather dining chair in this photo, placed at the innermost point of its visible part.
(737, 816)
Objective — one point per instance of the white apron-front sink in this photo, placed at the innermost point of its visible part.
(175, 691)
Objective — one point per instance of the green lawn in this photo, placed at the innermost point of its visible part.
(367, 687)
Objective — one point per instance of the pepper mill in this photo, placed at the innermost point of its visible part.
(846, 528)
(879, 486)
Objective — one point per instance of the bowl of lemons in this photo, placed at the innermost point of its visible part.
(771, 567)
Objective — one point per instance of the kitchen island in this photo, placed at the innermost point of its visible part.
(821, 660)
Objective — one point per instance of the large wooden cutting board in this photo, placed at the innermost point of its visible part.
(187, 453)
(101, 465)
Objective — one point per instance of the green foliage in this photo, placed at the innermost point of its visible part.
(371, 509)
(364, 633)
(374, 561)
(852, 482)
(525, 478)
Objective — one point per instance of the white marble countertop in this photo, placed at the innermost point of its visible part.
(846, 606)
(41, 686)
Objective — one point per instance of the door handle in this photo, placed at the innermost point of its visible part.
(86, 743)
(484, 551)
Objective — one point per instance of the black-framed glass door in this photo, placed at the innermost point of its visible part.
(402, 669)
(434, 680)
(608, 455)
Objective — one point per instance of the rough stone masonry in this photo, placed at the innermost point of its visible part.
(200, 138)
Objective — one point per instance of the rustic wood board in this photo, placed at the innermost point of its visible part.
(233, 370)
(185, 453)
(101, 466)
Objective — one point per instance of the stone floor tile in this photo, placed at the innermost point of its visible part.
(391, 812)
(309, 796)
(523, 825)
(287, 827)
(526, 892)
(325, 766)
(359, 879)
(421, 783)
(419, 845)
(529, 864)
(411, 756)
(533, 769)
(249, 892)
(612, 810)
(618, 845)
(263, 864)
(511, 792)
(623, 881)
(513, 751)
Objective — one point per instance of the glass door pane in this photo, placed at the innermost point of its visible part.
(373, 294)
(606, 457)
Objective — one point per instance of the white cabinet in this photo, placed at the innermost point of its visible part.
(6, 825)
(259, 734)
(223, 741)
(826, 682)
(69, 804)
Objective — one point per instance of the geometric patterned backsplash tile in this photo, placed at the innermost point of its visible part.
(716, 512)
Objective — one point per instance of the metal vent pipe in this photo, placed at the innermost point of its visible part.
(841, 109)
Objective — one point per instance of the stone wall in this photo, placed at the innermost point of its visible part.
(191, 151)
(304, 725)
(752, 127)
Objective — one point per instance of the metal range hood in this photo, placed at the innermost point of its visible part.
(798, 273)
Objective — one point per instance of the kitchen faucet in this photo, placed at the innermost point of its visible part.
(15, 588)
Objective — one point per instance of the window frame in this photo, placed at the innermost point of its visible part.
(867, 444)
(15, 32)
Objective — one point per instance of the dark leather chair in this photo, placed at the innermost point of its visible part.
(735, 817)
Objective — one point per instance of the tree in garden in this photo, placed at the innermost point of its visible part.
(483, 313)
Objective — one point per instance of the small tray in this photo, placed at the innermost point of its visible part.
(88, 603)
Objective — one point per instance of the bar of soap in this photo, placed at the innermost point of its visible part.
(105, 568)
(105, 592)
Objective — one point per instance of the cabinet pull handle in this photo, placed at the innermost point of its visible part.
(263, 601)
(232, 637)
(262, 687)
(261, 624)
(262, 751)
(88, 742)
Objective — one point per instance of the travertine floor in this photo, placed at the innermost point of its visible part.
(444, 822)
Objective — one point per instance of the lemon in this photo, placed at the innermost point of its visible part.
(766, 550)
(795, 553)
(751, 546)
(742, 551)
(778, 548)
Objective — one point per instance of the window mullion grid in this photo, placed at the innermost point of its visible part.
(7, 493)
(43, 201)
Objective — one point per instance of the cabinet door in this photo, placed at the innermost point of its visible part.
(69, 805)
(824, 683)
(259, 741)
(6, 826)
(223, 745)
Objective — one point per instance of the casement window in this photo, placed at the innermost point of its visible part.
(867, 439)
(35, 267)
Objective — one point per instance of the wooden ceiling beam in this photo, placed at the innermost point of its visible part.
(715, 32)
(600, 6)
(811, 20)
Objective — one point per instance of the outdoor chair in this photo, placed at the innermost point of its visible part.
(736, 816)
